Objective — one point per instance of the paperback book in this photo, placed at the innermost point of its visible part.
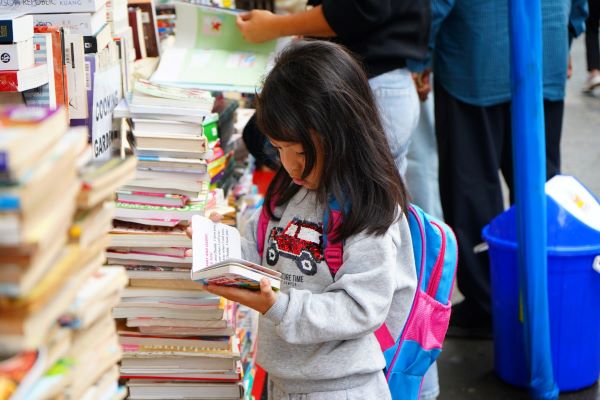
(211, 53)
(217, 258)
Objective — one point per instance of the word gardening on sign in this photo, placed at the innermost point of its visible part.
(107, 93)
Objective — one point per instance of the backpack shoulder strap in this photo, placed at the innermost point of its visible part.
(333, 250)
(261, 230)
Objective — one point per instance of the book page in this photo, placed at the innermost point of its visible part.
(213, 242)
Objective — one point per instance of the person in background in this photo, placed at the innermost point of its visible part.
(592, 46)
(381, 33)
(422, 158)
(471, 60)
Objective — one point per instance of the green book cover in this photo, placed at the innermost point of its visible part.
(211, 53)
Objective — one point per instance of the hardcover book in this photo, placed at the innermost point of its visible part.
(217, 258)
(80, 23)
(45, 95)
(59, 61)
(55, 6)
(24, 79)
(15, 27)
(93, 44)
(16, 55)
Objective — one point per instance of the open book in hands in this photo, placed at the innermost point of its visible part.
(216, 251)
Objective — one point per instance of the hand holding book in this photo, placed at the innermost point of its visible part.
(261, 300)
(216, 256)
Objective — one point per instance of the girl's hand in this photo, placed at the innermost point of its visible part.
(260, 301)
(258, 26)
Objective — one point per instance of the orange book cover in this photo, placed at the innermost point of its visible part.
(60, 68)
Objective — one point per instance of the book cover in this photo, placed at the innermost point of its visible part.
(45, 95)
(171, 92)
(149, 26)
(56, 6)
(217, 257)
(143, 211)
(80, 23)
(136, 24)
(59, 61)
(15, 27)
(211, 53)
(93, 44)
(75, 60)
(20, 372)
(26, 123)
(16, 55)
(24, 79)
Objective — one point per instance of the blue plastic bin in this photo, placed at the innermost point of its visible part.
(573, 294)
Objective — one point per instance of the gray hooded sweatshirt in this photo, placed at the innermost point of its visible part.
(318, 336)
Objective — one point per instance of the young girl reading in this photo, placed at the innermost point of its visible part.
(316, 336)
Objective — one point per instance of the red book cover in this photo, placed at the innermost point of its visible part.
(9, 81)
(60, 69)
(133, 23)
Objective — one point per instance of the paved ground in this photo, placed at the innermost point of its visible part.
(466, 367)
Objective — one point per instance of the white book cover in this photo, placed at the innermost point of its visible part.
(54, 6)
(45, 95)
(16, 55)
(14, 25)
(87, 24)
(75, 60)
(217, 257)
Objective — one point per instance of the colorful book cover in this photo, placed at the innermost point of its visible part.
(211, 53)
(60, 68)
(171, 92)
(45, 95)
(172, 213)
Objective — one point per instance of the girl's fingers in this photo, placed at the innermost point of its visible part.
(188, 231)
(215, 217)
(265, 287)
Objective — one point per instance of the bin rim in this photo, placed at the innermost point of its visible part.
(590, 249)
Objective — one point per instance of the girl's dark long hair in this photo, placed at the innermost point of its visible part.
(317, 86)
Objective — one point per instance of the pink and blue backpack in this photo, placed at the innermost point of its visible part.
(409, 355)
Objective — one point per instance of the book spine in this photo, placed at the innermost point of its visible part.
(90, 44)
(10, 203)
(3, 164)
(6, 31)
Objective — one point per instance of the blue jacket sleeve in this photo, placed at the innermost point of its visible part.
(440, 9)
(577, 17)
(351, 19)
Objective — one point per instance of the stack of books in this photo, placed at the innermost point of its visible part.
(56, 335)
(170, 129)
(20, 68)
(177, 339)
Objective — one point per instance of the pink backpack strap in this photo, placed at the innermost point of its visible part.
(263, 224)
(334, 251)
(384, 337)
